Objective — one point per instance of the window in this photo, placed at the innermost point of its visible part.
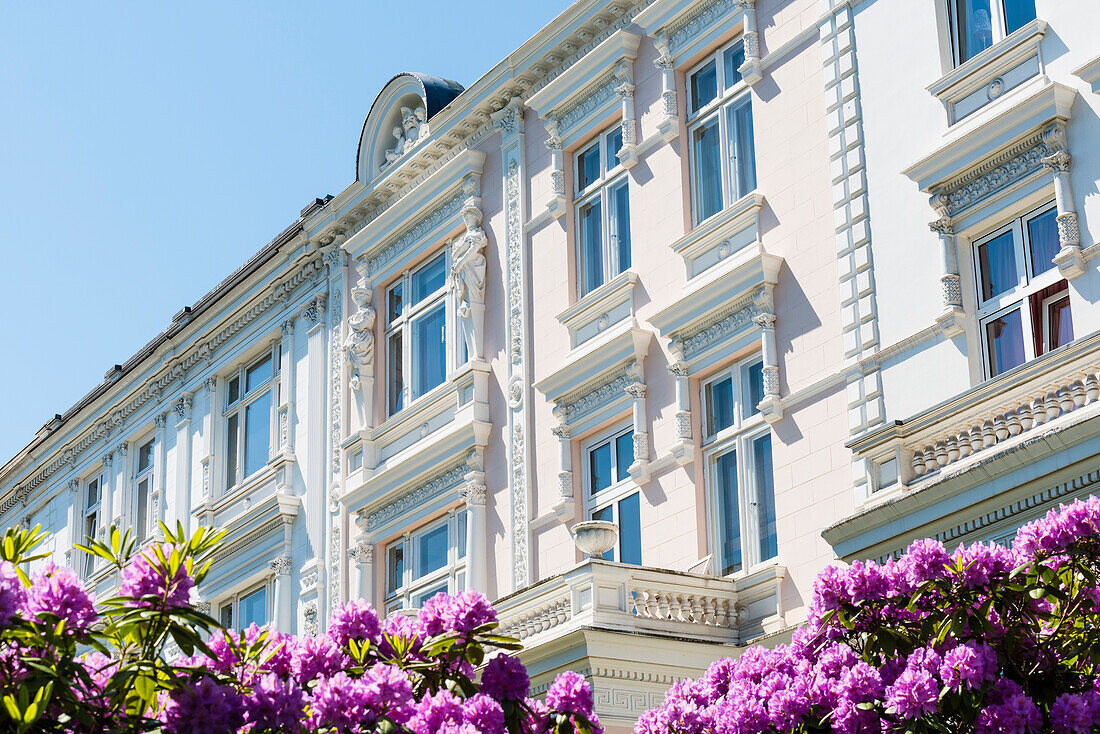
(603, 212)
(416, 333)
(143, 487)
(251, 395)
(429, 561)
(93, 496)
(739, 460)
(723, 159)
(611, 496)
(1023, 304)
(243, 610)
(978, 24)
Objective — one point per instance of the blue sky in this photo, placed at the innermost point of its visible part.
(148, 149)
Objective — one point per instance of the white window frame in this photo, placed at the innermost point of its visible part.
(143, 475)
(717, 107)
(90, 511)
(1019, 296)
(404, 322)
(740, 437)
(998, 23)
(239, 408)
(452, 573)
(233, 602)
(611, 177)
(621, 486)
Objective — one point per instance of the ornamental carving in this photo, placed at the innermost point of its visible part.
(412, 128)
(432, 488)
(698, 23)
(309, 617)
(182, 407)
(360, 340)
(413, 235)
(474, 495)
(573, 408)
(603, 90)
(997, 173)
(731, 321)
(362, 553)
(280, 565)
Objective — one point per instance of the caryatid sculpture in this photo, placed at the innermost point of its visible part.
(359, 344)
(467, 277)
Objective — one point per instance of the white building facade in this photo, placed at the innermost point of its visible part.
(668, 266)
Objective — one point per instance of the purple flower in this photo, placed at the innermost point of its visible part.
(202, 706)
(388, 691)
(402, 627)
(462, 613)
(570, 693)
(433, 712)
(13, 594)
(355, 620)
(316, 656)
(338, 702)
(1008, 711)
(1071, 714)
(505, 679)
(913, 694)
(275, 704)
(59, 594)
(924, 560)
(969, 664)
(484, 714)
(146, 581)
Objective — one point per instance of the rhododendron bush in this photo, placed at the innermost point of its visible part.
(68, 664)
(984, 639)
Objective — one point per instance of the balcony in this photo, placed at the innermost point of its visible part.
(609, 596)
(989, 458)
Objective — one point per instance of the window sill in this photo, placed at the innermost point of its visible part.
(607, 305)
(982, 80)
(721, 236)
(250, 484)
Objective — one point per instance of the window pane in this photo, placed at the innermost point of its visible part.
(630, 530)
(599, 467)
(591, 219)
(141, 521)
(429, 353)
(429, 279)
(257, 375)
(1005, 341)
(420, 599)
(606, 514)
(719, 399)
(708, 169)
(614, 145)
(975, 27)
(733, 58)
(395, 567)
(145, 457)
(997, 263)
(431, 551)
(89, 532)
(460, 521)
(588, 167)
(257, 437)
(765, 497)
(92, 493)
(234, 392)
(231, 452)
(394, 373)
(1042, 237)
(742, 154)
(254, 609)
(1060, 326)
(620, 225)
(704, 86)
(752, 387)
(394, 303)
(227, 616)
(729, 520)
(1018, 13)
(624, 455)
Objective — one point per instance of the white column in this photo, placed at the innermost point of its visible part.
(107, 494)
(477, 557)
(1070, 260)
(669, 125)
(556, 204)
(639, 468)
(286, 388)
(362, 554)
(283, 608)
(624, 75)
(684, 436)
(160, 474)
(565, 506)
(751, 70)
(180, 507)
(209, 418)
(120, 495)
(314, 472)
(950, 319)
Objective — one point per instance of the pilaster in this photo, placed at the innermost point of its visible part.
(180, 504)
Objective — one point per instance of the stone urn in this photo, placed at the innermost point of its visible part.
(595, 537)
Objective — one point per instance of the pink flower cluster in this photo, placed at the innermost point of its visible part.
(971, 640)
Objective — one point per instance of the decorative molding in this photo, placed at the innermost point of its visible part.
(280, 565)
(416, 232)
(588, 399)
(730, 320)
(992, 175)
(182, 407)
(435, 486)
(309, 618)
(466, 278)
(362, 553)
(249, 538)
